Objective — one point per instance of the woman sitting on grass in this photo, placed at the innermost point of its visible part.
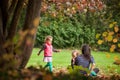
(85, 60)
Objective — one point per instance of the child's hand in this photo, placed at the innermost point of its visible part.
(38, 54)
(59, 50)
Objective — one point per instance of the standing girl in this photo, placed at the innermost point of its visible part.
(48, 49)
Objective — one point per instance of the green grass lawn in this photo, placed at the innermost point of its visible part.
(63, 59)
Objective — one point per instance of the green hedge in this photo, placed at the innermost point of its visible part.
(66, 34)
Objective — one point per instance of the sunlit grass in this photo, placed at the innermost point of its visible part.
(103, 60)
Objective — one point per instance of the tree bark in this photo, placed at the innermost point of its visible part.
(13, 26)
(12, 6)
(2, 50)
(4, 10)
(15, 19)
(30, 26)
(1, 25)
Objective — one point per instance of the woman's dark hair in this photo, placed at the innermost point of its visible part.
(86, 51)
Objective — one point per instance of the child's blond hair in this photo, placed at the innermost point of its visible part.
(48, 38)
(77, 52)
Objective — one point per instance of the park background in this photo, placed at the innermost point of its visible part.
(72, 23)
(71, 27)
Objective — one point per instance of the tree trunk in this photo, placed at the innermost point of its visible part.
(13, 26)
(15, 19)
(4, 8)
(2, 50)
(30, 28)
(5, 14)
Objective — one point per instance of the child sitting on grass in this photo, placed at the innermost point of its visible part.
(75, 53)
(85, 60)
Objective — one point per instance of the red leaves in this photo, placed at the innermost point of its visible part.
(79, 5)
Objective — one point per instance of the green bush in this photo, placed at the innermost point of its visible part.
(65, 34)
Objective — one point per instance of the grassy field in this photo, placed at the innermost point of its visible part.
(103, 60)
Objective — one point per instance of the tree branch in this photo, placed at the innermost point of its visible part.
(13, 26)
(1, 23)
(4, 9)
(15, 19)
(31, 23)
(11, 8)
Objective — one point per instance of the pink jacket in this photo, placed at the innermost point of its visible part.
(48, 50)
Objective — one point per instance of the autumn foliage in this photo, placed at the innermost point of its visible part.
(110, 36)
(55, 8)
(33, 73)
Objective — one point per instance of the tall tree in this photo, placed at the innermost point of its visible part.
(10, 12)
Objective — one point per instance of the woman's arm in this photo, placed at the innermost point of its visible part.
(92, 66)
(92, 63)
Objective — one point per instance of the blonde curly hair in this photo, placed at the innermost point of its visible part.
(48, 38)
(75, 55)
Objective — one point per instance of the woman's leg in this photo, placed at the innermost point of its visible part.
(94, 72)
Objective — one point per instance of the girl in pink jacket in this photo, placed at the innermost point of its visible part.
(48, 49)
